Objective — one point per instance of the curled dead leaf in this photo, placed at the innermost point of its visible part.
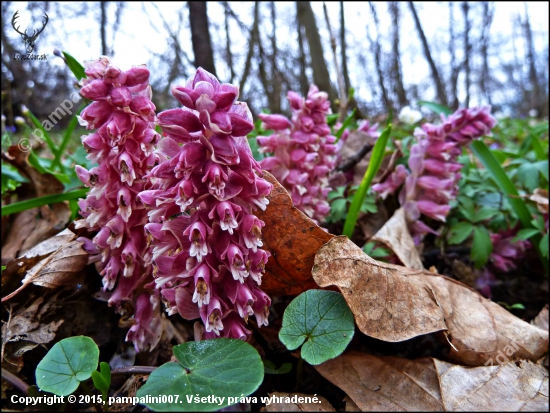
(427, 384)
(292, 239)
(289, 406)
(541, 320)
(395, 234)
(50, 264)
(540, 197)
(390, 303)
(394, 303)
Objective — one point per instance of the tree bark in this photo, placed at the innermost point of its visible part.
(200, 36)
(467, 51)
(103, 23)
(375, 46)
(455, 68)
(251, 43)
(321, 76)
(343, 47)
(302, 77)
(228, 46)
(440, 89)
(396, 74)
(530, 57)
(485, 77)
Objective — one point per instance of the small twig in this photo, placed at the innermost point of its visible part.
(353, 160)
(15, 381)
(133, 370)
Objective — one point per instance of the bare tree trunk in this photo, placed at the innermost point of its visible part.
(228, 46)
(343, 47)
(440, 89)
(200, 36)
(304, 83)
(321, 77)
(485, 77)
(467, 51)
(533, 78)
(251, 43)
(276, 78)
(103, 23)
(375, 47)
(397, 76)
(455, 68)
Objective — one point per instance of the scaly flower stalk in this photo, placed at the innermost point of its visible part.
(432, 179)
(206, 241)
(303, 151)
(122, 116)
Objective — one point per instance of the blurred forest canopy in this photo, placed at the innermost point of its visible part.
(392, 53)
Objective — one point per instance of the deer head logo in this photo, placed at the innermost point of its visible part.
(29, 40)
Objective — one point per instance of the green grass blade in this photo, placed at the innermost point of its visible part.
(482, 152)
(344, 126)
(47, 136)
(374, 165)
(75, 66)
(43, 200)
(66, 139)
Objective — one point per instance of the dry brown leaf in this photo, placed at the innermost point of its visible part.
(385, 383)
(322, 406)
(390, 303)
(427, 384)
(482, 330)
(52, 263)
(292, 239)
(520, 386)
(21, 228)
(541, 320)
(394, 303)
(395, 235)
(24, 330)
(350, 405)
(540, 197)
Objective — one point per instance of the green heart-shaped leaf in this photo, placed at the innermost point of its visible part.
(68, 362)
(323, 319)
(222, 368)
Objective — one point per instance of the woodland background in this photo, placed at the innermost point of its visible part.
(392, 53)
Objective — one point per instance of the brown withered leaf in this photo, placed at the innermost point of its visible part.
(481, 330)
(394, 303)
(21, 228)
(427, 384)
(385, 383)
(390, 303)
(541, 320)
(23, 331)
(350, 405)
(322, 406)
(396, 235)
(540, 197)
(292, 239)
(519, 386)
(52, 263)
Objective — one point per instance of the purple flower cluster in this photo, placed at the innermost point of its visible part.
(122, 116)
(433, 175)
(303, 151)
(205, 239)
